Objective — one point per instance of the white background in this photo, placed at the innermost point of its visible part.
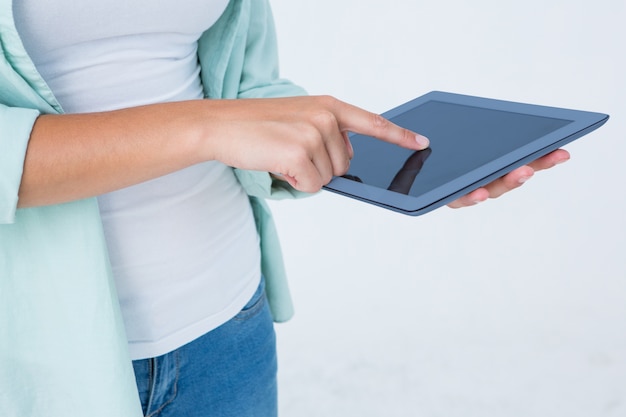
(516, 307)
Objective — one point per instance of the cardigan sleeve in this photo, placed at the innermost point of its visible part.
(23, 96)
(260, 70)
(15, 128)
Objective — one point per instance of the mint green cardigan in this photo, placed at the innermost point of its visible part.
(63, 350)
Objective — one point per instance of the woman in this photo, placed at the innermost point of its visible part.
(125, 233)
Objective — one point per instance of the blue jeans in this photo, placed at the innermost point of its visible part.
(230, 371)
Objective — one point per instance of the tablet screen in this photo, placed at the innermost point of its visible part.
(462, 139)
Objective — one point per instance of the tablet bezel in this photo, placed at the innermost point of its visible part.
(582, 123)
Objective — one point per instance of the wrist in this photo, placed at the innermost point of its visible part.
(195, 128)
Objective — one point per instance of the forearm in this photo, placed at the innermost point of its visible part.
(71, 157)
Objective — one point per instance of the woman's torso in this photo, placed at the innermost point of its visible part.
(183, 247)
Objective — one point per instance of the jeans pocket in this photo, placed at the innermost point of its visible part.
(255, 304)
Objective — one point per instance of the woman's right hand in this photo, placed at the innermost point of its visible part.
(304, 139)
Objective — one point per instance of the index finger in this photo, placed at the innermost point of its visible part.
(355, 119)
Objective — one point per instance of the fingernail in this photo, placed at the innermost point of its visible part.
(523, 180)
(422, 140)
(480, 200)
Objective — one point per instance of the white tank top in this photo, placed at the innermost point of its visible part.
(184, 247)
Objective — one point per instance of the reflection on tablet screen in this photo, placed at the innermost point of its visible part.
(404, 179)
(462, 138)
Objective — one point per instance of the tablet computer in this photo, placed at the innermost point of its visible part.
(473, 140)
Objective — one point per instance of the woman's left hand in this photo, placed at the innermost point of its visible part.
(511, 180)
